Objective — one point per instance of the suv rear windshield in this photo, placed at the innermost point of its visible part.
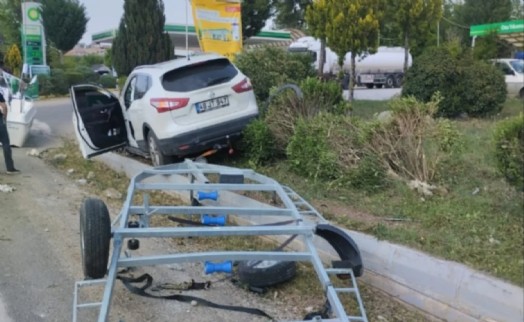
(199, 75)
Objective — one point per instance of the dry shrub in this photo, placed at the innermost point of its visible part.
(412, 144)
(287, 108)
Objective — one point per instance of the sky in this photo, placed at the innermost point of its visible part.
(105, 15)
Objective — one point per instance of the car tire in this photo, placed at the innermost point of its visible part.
(266, 273)
(95, 237)
(157, 157)
(390, 82)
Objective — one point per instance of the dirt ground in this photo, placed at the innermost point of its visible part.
(40, 256)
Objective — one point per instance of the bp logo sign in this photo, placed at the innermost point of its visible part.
(33, 14)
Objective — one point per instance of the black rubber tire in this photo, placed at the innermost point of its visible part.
(158, 158)
(369, 86)
(390, 82)
(378, 86)
(95, 237)
(266, 273)
(398, 81)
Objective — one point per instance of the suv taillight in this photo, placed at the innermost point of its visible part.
(168, 104)
(243, 86)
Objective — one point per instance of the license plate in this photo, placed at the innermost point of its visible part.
(366, 78)
(212, 104)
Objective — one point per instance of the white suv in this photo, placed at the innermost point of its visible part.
(168, 110)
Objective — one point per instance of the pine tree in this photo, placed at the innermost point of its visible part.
(141, 38)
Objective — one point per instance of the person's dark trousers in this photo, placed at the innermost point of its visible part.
(6, 145)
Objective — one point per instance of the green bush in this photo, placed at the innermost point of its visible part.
(369, 175)
(509, 150)
(483, 89)
(121, 82)
(309, 152)
(269, 66)
(257, 142)
(324, 95)
(467, 86)
(74, 78)
(45, 86)
(59, 81)
(107, 81)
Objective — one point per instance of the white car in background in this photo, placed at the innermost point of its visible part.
(513, 70)
(166, 111)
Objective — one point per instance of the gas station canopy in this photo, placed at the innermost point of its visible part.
(178, 36)
(510, 31)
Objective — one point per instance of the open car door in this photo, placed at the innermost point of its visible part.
(98, 120)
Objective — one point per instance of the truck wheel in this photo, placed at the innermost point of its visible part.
(390, 82)
(95, 236)
(157, 157)
(379, 85)
(266, 273)
(398, 81)
(369, 85)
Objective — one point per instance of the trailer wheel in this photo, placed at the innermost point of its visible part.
(95, 236)
(266, 273)
(390, 82)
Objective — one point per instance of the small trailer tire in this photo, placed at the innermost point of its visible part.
(95, 237)
(266, 273)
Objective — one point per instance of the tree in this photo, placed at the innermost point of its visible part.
(414, 17)
(478, 12)
(255, 13)
(13, 60)
(352, 27)
(141, 38)
(291, 13)
(10, 20)
(317, 17)
(64, 22)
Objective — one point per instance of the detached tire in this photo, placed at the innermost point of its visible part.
(266, 273)
(95, 236)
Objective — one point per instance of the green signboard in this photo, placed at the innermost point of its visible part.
(506, 27)
(33, 39)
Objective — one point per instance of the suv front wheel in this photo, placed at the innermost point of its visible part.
(157, 157)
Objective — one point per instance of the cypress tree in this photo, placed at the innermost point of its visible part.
(141, 38)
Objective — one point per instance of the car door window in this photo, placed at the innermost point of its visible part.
(142, 85)
(129, 93)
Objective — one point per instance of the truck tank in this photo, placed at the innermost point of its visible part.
(383, 68)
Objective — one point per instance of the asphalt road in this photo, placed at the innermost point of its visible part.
(374, 94)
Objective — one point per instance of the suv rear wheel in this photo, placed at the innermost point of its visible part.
(157, 157)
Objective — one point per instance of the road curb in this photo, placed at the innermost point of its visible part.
(444, 289)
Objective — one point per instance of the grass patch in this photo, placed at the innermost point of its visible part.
(477, 219)
(301, 293)
(367, 109)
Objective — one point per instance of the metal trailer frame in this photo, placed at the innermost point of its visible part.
(305, 222)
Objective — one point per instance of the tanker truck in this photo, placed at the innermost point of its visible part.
(385, 68)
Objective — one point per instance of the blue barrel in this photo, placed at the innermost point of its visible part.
(213, 221)
(213, 195)
(225, 267)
